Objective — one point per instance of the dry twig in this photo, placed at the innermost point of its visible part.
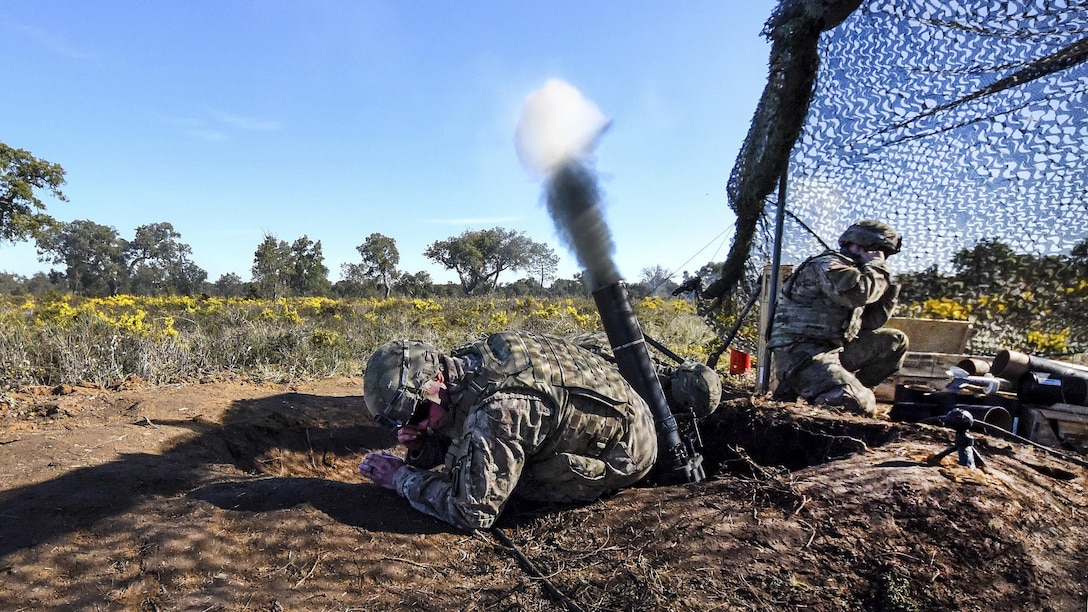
(311, 572)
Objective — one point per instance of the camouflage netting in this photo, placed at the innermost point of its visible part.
(917, 119)
(961, 123)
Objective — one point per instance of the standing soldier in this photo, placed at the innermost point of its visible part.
(516, 413)
(826, 337)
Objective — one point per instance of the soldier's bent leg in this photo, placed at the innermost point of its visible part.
(818, 376)
(784, 363)
(875, 355)
(840, 386)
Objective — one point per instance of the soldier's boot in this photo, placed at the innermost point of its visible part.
(846, 398)
(784, 393)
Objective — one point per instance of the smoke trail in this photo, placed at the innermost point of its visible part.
(574, 205)
(555, 137)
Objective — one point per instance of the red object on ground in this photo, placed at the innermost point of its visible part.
(739, 361)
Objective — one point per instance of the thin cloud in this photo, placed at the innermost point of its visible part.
(55, 44)
(219, 127)
(193, 127)
(242, 122)
(187, 124)
(209, 135)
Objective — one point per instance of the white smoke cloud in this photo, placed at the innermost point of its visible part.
(558, 129)
(558, 124)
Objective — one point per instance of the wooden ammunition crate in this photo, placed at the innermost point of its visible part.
(935, 346)
(934, 335)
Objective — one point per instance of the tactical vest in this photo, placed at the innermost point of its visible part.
(805, 313)
(559, 371)
(547, 365)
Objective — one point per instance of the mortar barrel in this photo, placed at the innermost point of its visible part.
(633, 360)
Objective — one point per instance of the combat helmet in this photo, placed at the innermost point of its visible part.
(394, 379)
(694, 386)
(872, 234)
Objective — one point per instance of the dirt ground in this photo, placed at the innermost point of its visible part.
(234, 495)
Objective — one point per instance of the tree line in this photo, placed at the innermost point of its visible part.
(1032, 303)
(94, 260)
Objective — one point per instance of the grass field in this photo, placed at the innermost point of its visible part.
(65, 339)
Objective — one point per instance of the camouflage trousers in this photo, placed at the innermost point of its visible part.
(574, 475)
(810, 370)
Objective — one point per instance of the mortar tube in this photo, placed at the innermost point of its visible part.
(674, 462)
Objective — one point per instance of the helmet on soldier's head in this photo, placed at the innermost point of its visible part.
(694, 386)
(394, 379)
(874, 235)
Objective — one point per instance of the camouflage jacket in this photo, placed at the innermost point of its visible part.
(830, 298)
(537, 413)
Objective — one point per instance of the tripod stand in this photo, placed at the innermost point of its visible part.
(961, 421)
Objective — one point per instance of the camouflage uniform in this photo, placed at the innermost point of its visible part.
(534, 416)
(825, 336)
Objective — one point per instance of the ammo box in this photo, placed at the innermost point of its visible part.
(935, 346)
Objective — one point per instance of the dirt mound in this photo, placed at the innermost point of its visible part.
(233, 495)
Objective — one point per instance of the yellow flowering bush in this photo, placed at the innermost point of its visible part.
(944, 308)
(325, 338)
(282, 311)
(1048, 342)
(426, 305)
(61, 338)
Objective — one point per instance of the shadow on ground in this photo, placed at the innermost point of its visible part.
(261, 457)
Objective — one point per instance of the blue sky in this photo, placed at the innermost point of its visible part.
(335, 119)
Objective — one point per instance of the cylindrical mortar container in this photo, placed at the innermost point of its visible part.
(974, 366)
(1046, 389)
(1012, 365)
(998, 417)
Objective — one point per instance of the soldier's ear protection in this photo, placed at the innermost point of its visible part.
(895, 248)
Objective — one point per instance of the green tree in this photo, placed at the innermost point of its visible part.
(523, 287)
(158, 263)
(1080, 252)
(918, 286)
(186, 278)
(271, 267)
(12, 284)
(21, 215)
(296, 269)
(94, 256)
(229, 285)
(416, 285)
(543, 263)
(308, 273)
(353, 285)
(479, 257)
(988, 266)
(569, 287)
(655, 281)
(42, 283)
(379, 265)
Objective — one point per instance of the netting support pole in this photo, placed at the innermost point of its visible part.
(765, 365)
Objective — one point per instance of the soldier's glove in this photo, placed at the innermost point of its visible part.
(890, 297)
(880, 266)
(892, 294)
